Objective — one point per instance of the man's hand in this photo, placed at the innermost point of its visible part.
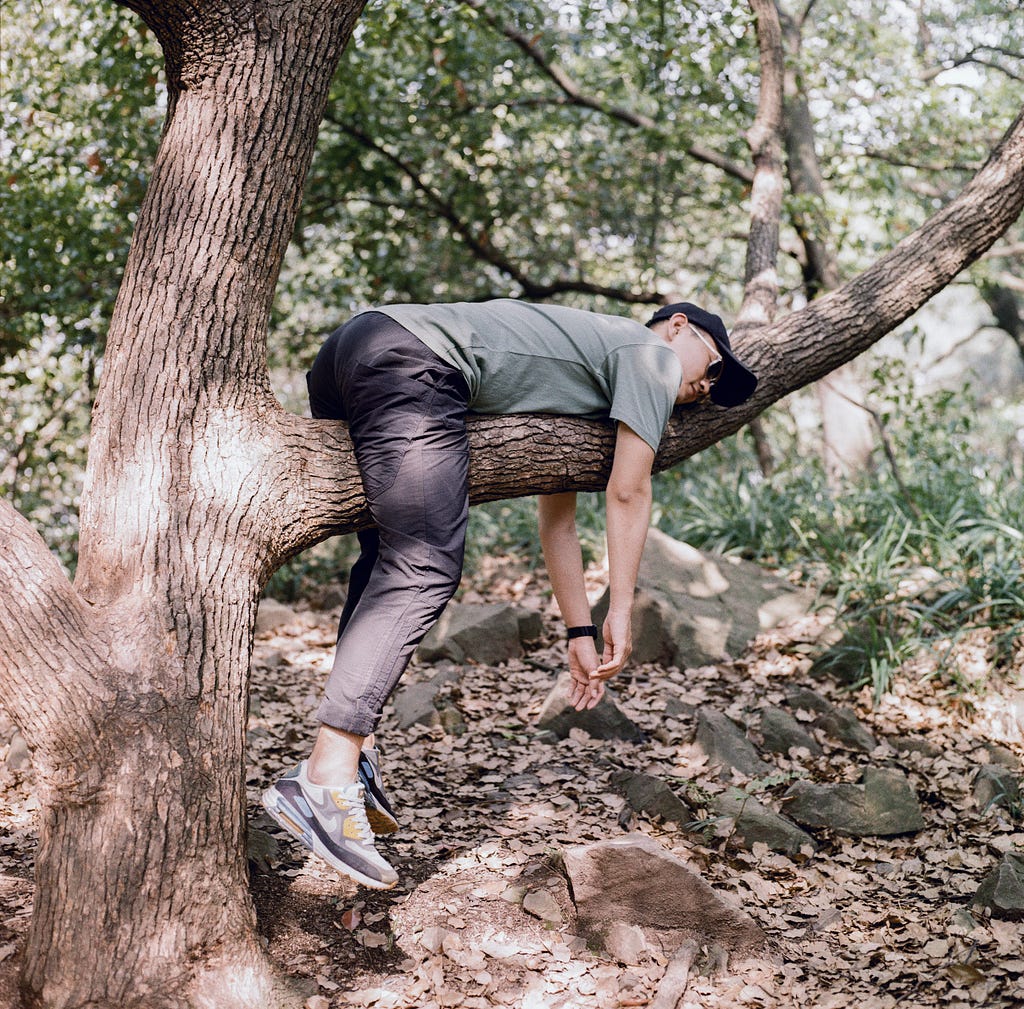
(618, 644)
(584, 690)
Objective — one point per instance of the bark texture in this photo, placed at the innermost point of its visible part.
(131, 685)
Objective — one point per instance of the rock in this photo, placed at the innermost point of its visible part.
(604, 721)
(842, 725)
(263, 849)
(995, 786)
(417, 703)
(531, 626)
(782, 732)
(626, 943)
(915, 744)
(1002, 890)
(651, 796)
(882, 806)
(633, 880)
(1003, 756)
(724, 743)
(489, 633)
(542, 904)
(19, 756)
(755, 822)
(693, 608)
(808, 700)
(271, 615)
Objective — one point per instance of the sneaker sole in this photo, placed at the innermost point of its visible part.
(285, 817)
(380, 822)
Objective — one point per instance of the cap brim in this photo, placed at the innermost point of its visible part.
(737, 383)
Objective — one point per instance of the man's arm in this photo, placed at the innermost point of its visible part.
(628, 512)
(556, 514)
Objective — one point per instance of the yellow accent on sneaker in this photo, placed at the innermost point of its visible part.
(351, 829)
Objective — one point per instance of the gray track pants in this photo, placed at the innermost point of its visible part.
(406, 410)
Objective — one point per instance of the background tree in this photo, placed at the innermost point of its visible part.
(130, 683)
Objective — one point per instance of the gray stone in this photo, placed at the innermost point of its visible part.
(842, 725)
(755, 822)
(883, 805)
(542, 904)
(262, 848)
(807, 700)
(417, 703)
(626, 943)
(271, 615)
(995, 786)
(531, 626)
(633, 880)
(725, 743)
(604, 721)
(693, 608)
(651, 796)
(19, 756)
(782, 732)
(489, 633)
(1002, 890)
(1003, 756)
(915, 744)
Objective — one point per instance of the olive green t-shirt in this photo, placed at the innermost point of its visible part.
(523, 358)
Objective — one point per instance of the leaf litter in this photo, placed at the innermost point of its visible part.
(486, 809)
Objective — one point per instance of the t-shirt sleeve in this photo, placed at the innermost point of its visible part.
(644, 381)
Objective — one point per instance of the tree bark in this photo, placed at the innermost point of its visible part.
(847, 436)
(130, 686)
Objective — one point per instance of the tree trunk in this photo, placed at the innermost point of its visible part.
(130, 686)
(846, 434)
(138, 729)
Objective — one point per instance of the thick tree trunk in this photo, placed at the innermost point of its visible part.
(141, 878)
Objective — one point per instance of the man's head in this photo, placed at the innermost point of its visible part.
(688, 328)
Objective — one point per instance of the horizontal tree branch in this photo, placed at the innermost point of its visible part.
(537, 454)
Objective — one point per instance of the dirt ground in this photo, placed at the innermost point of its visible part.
(486, 806)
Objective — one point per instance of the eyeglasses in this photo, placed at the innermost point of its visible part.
(713, 372)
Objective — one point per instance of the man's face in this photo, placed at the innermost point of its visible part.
(698, 357)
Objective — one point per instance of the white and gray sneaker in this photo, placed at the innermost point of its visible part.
(332, 823)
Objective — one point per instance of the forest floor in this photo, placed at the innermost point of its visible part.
(868, 922)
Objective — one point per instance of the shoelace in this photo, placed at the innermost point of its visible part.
(357, 811)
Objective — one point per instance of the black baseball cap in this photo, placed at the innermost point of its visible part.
(738, 382)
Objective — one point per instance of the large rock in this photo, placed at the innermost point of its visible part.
(271, 615)
(725, 743)
(883, 805)
(489, 633)
(693, 608)
(604, 721)
(633, 880)
(841, 723)
(420, 703)
(754, 822)
(651, 796)
(782, 732)
(1002, 890)
(995, 785)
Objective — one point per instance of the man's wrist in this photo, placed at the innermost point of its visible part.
(581, 631)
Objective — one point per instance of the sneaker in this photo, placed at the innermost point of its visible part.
(378, 809)
(332, 823)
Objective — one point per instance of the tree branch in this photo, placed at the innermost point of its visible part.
(577, 96)
(49, 640)
(531, 454)
(484, 249)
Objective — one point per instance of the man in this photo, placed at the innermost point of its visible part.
(404, 377)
